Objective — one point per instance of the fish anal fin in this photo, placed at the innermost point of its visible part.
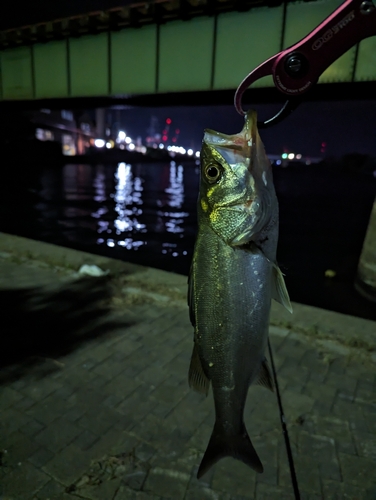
(279, 290)
(196, 376)
(238, 446)
(265, 377)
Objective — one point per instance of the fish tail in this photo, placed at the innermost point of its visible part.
(222, 445)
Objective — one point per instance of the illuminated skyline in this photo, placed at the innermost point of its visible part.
(344, 126)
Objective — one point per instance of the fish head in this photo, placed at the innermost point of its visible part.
(237, 197)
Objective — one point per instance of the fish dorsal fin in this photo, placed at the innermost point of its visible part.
(196, 376)
(265, 377)
(279, 290)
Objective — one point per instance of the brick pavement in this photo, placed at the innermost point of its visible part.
(109, 415)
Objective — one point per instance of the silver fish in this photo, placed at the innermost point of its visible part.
(233, 277)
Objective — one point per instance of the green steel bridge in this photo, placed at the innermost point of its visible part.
(165, 46)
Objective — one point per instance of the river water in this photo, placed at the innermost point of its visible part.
(146, 214)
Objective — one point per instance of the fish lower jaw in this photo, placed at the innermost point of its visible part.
(241, 239)
(242, 205)
(251, 208)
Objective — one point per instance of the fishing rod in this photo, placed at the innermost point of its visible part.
(290, 457)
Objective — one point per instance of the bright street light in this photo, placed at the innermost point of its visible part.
(99, 143)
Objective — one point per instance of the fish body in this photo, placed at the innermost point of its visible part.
(232, 280)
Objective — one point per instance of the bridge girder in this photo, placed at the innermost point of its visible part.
(205, 52)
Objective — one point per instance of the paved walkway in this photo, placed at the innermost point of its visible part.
(94, 400)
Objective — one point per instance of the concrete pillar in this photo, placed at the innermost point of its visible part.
(100, 115)
(365, 281)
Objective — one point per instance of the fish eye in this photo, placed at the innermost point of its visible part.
(212, 173)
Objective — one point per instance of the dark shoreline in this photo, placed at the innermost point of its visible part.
(42, 153)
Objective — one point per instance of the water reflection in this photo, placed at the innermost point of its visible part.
(172, 221)
(176, 187)
(127, 201)
(100, 185)
(75, 180)
(72, 202)
(117, 209)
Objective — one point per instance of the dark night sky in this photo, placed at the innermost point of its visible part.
(346, 127)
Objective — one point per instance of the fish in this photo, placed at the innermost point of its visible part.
(233, 277)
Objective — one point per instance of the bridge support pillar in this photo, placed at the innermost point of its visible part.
(100, 121)
(365, 281)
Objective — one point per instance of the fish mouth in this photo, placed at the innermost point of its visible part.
(241, 202)
(243, 206)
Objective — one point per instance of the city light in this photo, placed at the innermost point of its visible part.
(291, 156)
(298, 156)
(168, 121)
(99, 143)
(121, 135)
(190, 152)
(178, 149)
(161, 146)
(284, 156)
(108, 145)
(198, 154)
(128, 140)
(131, 146)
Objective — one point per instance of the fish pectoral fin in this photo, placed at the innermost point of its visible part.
(196, 376)
(279, 290)
(265, 377)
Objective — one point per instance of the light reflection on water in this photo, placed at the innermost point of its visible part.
(141, 207)
(175, 190)
(127, 198)
(143, 213)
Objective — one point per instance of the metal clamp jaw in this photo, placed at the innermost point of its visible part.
(296, 69)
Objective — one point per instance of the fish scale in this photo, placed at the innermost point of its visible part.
(233, 278)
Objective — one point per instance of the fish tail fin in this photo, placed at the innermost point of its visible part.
(237, 446)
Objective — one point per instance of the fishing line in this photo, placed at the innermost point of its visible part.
(284, 429)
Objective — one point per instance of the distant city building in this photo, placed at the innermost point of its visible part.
(74, 133)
